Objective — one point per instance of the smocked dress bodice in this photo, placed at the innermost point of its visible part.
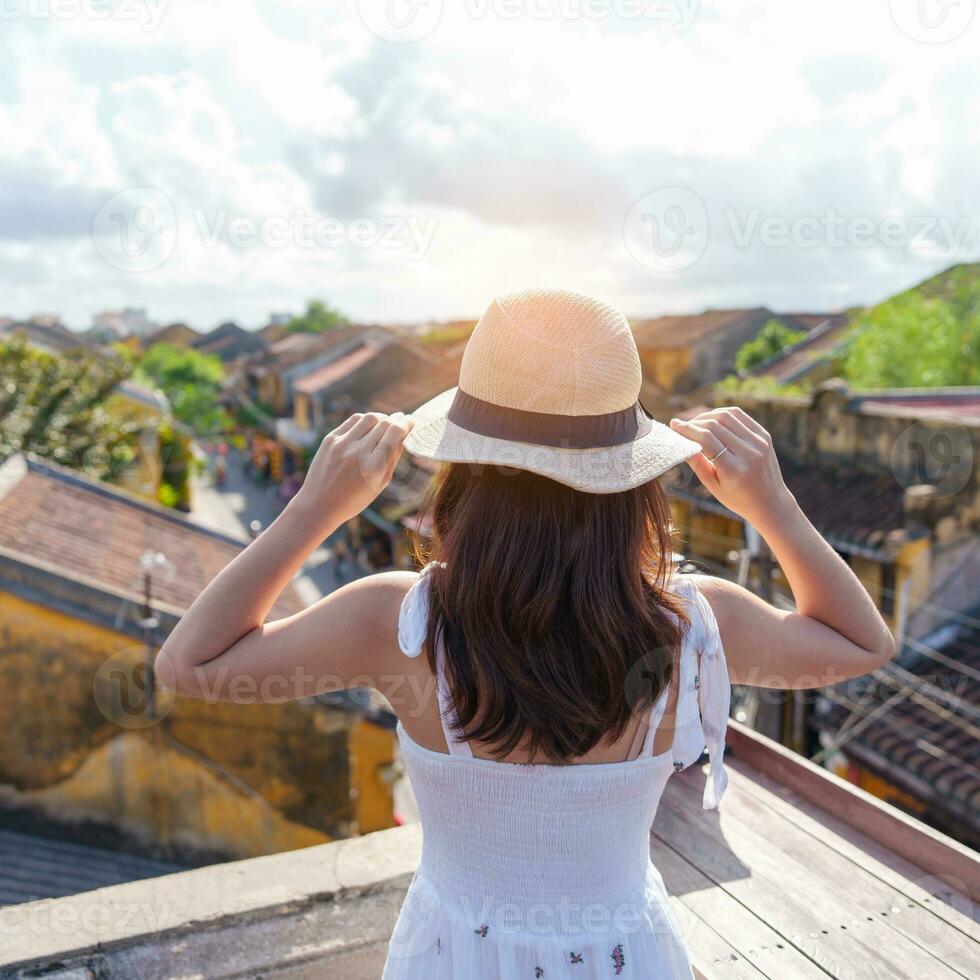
(544, 871)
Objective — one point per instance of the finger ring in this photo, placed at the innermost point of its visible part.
(724, 450)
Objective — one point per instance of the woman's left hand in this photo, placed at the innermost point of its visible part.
(354, 463)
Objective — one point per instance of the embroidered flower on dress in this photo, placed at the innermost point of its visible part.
(619, 960)
(538, 973)
(697, 681)
(678, 766)
(482, 931)
(438, 945)
(575, 958)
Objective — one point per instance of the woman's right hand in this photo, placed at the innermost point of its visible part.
(737, 464)
(354, 463)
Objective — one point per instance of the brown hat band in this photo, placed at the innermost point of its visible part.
(542, 429)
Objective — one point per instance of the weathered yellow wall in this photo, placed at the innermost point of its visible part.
(704, 535)
(372, 759)
(664, 367)
(236, 779)
(913, 572)
(302, 413)
(155, 791)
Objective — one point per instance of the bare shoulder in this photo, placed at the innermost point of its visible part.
(728, 600)
(382, 589)
(371, 606)
(376, 600)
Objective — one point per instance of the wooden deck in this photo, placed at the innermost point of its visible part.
(797, 874)
(775, 885)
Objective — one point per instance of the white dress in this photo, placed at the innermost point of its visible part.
(544, 871)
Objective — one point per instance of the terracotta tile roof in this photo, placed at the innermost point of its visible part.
(826, 336)
(809, 321)
(679, 331)
(416, 388)
(854, 510)
(230, 341)
(923, 724)
(92, 532)
(295, 349)
(46, 867)
(331, 373)
(49, 336)
(963, 403)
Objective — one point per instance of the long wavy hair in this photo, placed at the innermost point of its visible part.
(551, 607)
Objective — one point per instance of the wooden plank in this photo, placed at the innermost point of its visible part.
(944, 899)
(711, 957)
(904, 835)
(915, 922)
(728, 940)
(803, 903)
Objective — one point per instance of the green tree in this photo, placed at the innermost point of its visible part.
(774, 337)
(192, 382)
(55, 407)
(318, 318)
(914, 341)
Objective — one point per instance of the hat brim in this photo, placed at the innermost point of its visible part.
(610, 469)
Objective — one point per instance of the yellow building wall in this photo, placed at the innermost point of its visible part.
(372, 768)
(237, 780)
(705, 535)
(301, 412)
(913, 575)
(664, 367)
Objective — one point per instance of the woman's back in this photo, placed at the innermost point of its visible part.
(540, 867)
(554, 631)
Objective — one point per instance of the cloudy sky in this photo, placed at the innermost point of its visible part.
(408, 159)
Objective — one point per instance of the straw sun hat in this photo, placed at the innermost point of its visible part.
(550, 383)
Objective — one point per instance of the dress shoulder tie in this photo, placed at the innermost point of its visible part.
(413, 617)
(706, 695)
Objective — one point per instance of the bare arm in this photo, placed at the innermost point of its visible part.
(836, 632)
(223, 648)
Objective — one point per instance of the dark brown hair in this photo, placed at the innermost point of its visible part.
(551, 608)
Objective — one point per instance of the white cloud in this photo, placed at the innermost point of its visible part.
(523, 142)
